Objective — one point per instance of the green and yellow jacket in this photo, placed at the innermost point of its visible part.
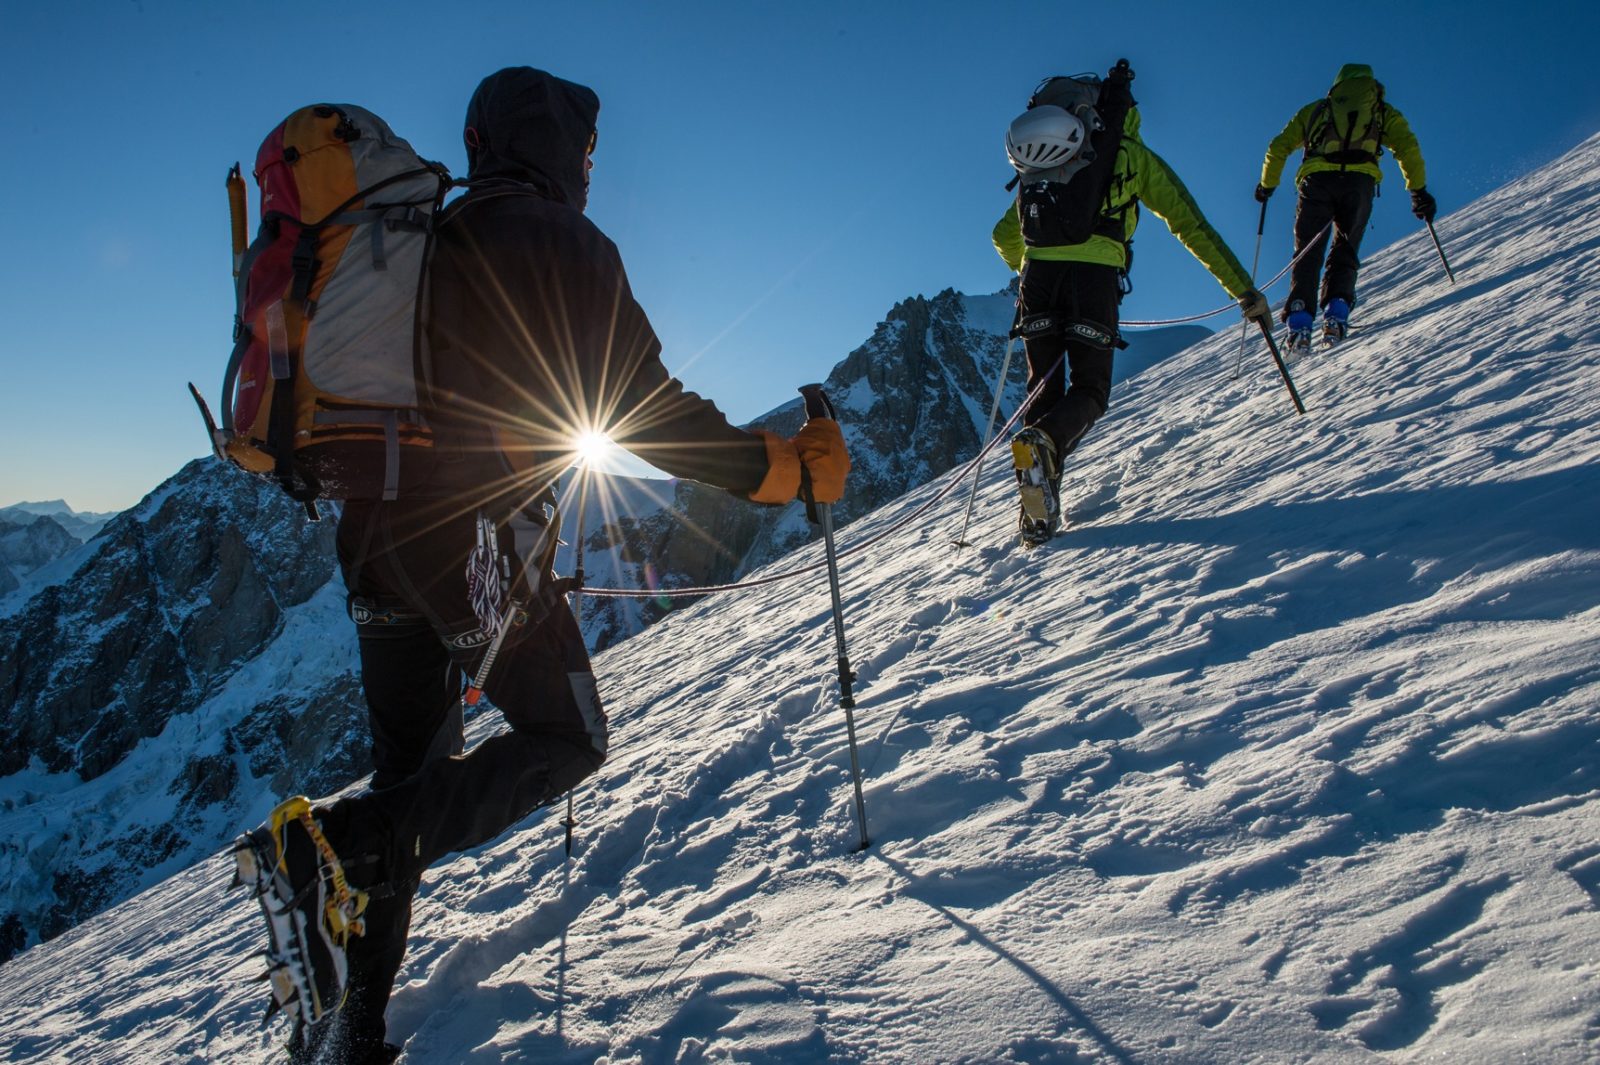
(1140, 176)
(1394, 133)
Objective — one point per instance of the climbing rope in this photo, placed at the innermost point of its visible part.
(1235, 306)
(950, 484)
(774, 578)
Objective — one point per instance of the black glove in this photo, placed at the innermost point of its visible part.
(1423, 204)
(1253, 305)
(1263, 194)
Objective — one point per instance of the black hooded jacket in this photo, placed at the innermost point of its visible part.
(534, 331)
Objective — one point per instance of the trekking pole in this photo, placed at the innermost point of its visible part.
(817, 406)
(994, 412)
(1277, 357)
(1440, 248)
(577, 607)
(1255, 263)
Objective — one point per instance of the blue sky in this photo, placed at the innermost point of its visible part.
(777, 176)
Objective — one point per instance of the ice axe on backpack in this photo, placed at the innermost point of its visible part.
(239, 217)
(818, 406)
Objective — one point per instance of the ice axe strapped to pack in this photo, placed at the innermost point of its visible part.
(327, 386)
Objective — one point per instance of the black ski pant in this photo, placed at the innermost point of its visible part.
(404, 566)
(1345, 199)
(1071, 308)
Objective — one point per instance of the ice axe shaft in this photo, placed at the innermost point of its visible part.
(236, 210)
(818, 406)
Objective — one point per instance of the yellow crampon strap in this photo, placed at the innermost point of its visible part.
(344, 910)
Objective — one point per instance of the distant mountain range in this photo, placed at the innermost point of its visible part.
(33, 535)
(83, 524)
(166, 683)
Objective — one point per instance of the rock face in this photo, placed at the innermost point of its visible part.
(131, 729)
(165, 684)
(177, 593)
(28, 543)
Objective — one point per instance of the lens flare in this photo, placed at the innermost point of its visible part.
(593, 448)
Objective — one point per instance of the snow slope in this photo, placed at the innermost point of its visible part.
(1285, 752)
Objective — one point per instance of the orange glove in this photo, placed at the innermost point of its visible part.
(817, 448)
(822, 452)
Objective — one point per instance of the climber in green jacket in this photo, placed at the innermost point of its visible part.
(1343, 136)
(1083, 174)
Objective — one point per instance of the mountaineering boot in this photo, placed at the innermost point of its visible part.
(311, 911)
(1033, 454)
(1297, 338)
(1335, 322)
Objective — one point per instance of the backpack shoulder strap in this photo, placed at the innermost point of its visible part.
(1314, 124)
(482, 192)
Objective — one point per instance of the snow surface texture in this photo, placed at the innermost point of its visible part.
(1285, 751)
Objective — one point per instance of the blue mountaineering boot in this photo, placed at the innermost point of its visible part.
(1297, 338)
(1033, 454)
(311, 911)
(1335, 322)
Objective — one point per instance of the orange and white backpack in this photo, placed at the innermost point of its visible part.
(326, 391)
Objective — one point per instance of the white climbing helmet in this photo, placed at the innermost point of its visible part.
(1044, 137)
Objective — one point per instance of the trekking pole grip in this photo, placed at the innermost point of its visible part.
(818, 405)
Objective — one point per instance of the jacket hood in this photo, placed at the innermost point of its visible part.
(534, 127)
(1351, 71)
(1130, 124)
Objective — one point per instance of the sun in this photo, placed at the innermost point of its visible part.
(593, 448)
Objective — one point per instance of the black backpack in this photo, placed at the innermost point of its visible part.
(1066, 205)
